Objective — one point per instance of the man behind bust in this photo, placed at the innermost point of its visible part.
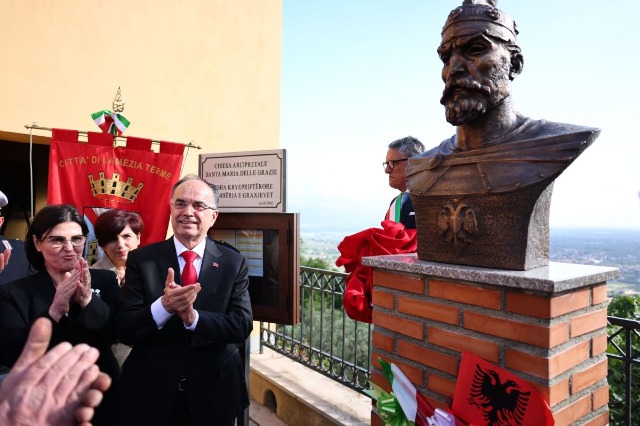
(495, 150)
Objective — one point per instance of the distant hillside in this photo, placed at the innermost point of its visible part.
(606, 247)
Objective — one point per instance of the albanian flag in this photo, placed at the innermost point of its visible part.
(489, 395)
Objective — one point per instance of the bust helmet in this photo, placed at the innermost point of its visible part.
(479, 16)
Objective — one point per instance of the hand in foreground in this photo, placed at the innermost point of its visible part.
(179, 299)
(4, 259)
(56, 388)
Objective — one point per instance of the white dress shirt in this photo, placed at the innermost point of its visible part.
(159, 313)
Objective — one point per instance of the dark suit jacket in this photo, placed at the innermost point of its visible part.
(208, 356)
(29, 298)
(407, 215)
(18, 265)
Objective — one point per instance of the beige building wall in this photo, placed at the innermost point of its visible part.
(206, 71)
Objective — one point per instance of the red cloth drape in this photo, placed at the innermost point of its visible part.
(392, 238)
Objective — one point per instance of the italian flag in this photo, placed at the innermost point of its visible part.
(414, 405)
(110, 122)
(404, 406)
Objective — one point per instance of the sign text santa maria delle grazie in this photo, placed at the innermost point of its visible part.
(248, 181)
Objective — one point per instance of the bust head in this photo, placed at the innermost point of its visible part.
(480, 58)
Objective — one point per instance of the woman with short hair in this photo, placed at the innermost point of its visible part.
(118, 232)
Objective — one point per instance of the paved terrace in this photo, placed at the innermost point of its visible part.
(302, 396)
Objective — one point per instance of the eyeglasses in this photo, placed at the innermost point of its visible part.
(197, 206)
(392, 163)
(57, 242)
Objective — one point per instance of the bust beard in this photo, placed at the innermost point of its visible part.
(464, 107)
(466, 99)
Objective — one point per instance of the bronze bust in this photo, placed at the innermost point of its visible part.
(482, 197)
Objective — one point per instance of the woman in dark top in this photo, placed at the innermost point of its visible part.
(118, 232)
(79, 301)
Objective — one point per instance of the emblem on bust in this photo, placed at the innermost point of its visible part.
(457, 225)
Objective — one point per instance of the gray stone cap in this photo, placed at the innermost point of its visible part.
(554, 278)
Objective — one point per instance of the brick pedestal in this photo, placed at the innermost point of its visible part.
(547, 325)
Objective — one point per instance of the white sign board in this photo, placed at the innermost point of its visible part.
(249, 181)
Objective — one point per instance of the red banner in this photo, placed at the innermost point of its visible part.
(95, 176)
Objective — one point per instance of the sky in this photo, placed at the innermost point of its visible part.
(358, 74)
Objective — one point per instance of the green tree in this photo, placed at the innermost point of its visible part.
(315, 262)
(628, 307)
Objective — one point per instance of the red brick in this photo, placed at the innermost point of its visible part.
(426, 309)
(380, 380)
(600, 397)
(599, 344)
(437, 404)
(400, 325)
(375, 363)
(539, 335)
(383, 299)
(590, 375)
(381, 341)
(575, 411)
(599, 294)
(600, 420)
(469, 294)
(428, 357)
(377, 376)
(375, 419)
(545, 307)
(461, 342)
(408, 283)
(547, 367)
(441, 385)
(555, 393)
(588, 322)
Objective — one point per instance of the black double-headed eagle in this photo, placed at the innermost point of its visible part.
(502, 404)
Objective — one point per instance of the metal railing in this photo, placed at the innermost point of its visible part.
(326, 340)
(623, 350)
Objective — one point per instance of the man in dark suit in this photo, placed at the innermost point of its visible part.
(401, 208)
(184, 368)
(11, 249)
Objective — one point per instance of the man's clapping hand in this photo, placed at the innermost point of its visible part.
(179, 299)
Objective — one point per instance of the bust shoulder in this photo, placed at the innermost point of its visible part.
(536, 150)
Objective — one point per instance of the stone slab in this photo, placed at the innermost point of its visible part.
(554, 278)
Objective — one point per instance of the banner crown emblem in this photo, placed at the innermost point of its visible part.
(114, 188)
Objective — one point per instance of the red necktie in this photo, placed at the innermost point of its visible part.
(189, 275)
